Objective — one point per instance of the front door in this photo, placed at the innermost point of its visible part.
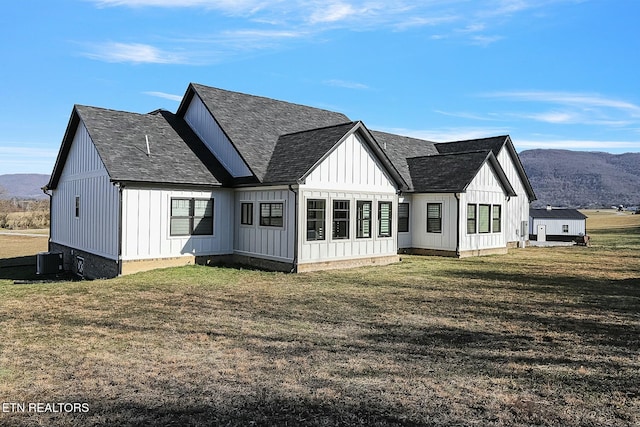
(542, 233)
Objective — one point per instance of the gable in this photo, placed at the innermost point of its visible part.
(253, 124)
(82, 158)
(351, 164)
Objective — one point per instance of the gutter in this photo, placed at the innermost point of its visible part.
(294, 269)
(120, 188)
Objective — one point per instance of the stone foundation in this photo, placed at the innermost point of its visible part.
(85, 264)
(453, 254)
(347, 263)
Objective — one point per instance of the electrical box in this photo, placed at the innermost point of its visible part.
(49, 263)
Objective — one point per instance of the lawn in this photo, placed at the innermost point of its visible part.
(541, 336)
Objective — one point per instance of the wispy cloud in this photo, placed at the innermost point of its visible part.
(17, 158)
(346, 84)
(137, 53)
(163, 95)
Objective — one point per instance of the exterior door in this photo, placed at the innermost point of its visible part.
(542, 233)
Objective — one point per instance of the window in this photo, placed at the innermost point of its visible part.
(246, 213)
(315, 219)
(484, 222)
(77, 206)
(363, 219)
(403, 217)
(340, 219)
(384, 219)
(434, 217)
(497, 218)
(471, 219)
(191, 217)
(271, 214)
(565, 228)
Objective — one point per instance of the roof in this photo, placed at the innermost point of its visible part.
(494, 144)
(557, 214)
(452, 173)
(255, 124)
(177, 156)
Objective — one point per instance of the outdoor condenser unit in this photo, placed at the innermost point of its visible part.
(49, 263)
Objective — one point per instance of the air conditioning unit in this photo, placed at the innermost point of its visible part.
(49, 263)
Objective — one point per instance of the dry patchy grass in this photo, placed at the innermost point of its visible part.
(541, 336)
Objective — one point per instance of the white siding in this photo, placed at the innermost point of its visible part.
(484, 189)
(405, 239)
(351, 172)
(554, 226)
(351, 165)
(95, 230)
(446, 240)
(203, 124)
(517, 208)
(353, 247)
(146, 218)
(273, 243)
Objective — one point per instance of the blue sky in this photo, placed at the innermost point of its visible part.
(551, 73)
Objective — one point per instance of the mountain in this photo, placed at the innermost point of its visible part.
(583, 179)
(23, 186)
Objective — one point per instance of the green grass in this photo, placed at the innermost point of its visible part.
(541, 336)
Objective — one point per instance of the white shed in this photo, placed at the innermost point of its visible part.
(560, 225)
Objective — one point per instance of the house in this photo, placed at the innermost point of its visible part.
(556, 225)
(253, 180)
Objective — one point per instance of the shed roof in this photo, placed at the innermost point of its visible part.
(557, 214)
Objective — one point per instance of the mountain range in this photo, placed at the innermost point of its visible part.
(583, 179)
(566, 178)
(23, 186)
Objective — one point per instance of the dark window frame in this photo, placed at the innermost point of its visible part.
(319, 229)
(195, 221)
(77, 207)
(403, 220)
(341, 223)
(434, 223)
(363, 232)
(472, 221)
(388, 221)
(496, 221)
(271, 220)
(486, 215)
(246, 213)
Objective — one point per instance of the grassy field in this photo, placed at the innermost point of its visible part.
(541, 336)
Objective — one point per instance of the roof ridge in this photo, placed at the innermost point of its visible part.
(264, 97)
(322, 128)
(455, 153)
(475, 139)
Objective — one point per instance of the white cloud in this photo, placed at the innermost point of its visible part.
(163, 95)
(19, 158)
(137, 53)
(346, 84)
(332, 13)
(581, 100)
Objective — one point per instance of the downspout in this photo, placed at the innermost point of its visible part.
(294, 269)
(457, 196)
(45, 190)
(120, 188)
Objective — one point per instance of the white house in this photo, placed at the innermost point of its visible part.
(560, 225)
(283, 186)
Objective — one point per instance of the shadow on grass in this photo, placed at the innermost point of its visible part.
(18, 268)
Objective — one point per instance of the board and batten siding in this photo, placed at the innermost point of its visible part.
(95, 229)
(516, 208)
(405, 240)
(350, 172)
(484, 189)
(268, 242)
(146, 219)
(421, 239)
(204, 125)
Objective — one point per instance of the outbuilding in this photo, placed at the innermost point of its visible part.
(556, 225)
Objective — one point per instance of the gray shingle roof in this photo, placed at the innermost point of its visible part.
(296, 153)
(452, 173)
(177, 155)
(254, 124)
(399, 148)
(556, 214)
(494, 144)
